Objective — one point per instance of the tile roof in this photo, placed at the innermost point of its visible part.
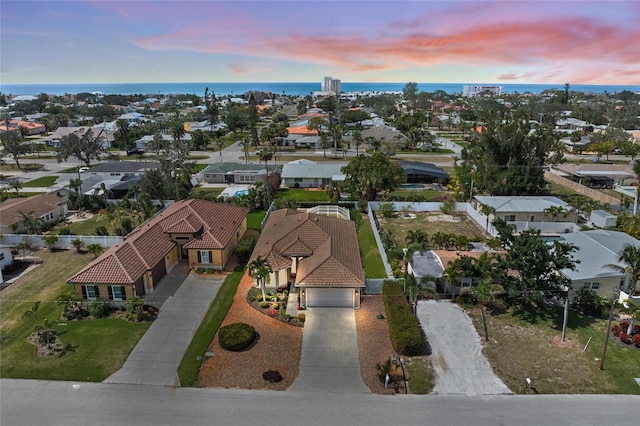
(40, 205)
(147, 245)
(329, 246)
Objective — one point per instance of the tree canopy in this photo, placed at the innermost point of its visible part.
(509, 157)
(85, 147)
(368, 176)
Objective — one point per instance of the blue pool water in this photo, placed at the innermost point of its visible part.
(241, 192)
(411, 186)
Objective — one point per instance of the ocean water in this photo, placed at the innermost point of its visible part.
(298, 89)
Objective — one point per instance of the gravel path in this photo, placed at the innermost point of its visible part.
(460, 366)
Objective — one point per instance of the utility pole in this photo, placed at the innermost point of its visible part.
(566, 317)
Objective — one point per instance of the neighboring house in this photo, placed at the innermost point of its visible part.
(603, 219)
(311, 174)
(571, 124)
(27, 128)
(312, 142)
(426, 267)
(597, 175)
(100, 131)
(318, 254)
(116, 170)
(384, 133)
(596, 250)
(46, 207)
(418, 172)
(576, 146)
(524, 208)
(204, 233)
(143, 142)
(236, 173)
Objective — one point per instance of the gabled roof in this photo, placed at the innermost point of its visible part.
(38, 205)
(524, 204)
(329, 246)
(147, 245)
(596, 249)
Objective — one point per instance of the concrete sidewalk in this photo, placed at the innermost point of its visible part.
(156, 357)
(330, 360)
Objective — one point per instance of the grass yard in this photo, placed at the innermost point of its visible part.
(43, 182)
(420, 375)
(97, 348)
(254, 220)
(190, 365)
(206, 193)
(304, 195)
(373, 266)
(522, 345)
(88, 227)
(430, 222)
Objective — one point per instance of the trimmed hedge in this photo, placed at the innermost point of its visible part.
(245, 248)
(406, 334)
(236, 336)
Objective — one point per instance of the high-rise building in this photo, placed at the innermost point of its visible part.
(471, 91)
(330, 84)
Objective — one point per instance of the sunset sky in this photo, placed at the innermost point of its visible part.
(581, 42)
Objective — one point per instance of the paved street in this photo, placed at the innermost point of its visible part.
(460, 366)
(32, 402)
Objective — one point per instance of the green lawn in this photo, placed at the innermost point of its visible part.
(190, 365)
(373, 266)
(254, 220)
(304, 195)
(210, 194)
(97, 347)
(43, 182)
(88, 227)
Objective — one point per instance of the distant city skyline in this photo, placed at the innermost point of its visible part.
(499, 42)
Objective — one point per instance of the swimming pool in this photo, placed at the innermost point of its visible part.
(241, 192)
(411, 186)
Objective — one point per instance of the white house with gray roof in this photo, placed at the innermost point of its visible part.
(597, 249)
(311, 174)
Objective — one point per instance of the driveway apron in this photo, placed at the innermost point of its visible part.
(330, 360)
(156, 357)
(460, 366)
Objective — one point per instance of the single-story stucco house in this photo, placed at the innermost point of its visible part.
(317, 255)
(44, 207)
(309, 174)
(198, 231)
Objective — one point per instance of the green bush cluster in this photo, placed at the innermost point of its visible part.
(406, 335)
(236, 336)
(98, 308)
(245, 248)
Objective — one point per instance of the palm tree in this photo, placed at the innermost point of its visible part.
(29, 223)
(260, 270)
(418, 238)
(630, 257)
(78, 244)
(487, 210)
(95, 249)
(220, 145)
(357, 140)
(50, 241)
(555, 212)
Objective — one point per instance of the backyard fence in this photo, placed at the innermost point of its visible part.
(64, 241)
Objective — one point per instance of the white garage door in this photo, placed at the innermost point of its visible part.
(333, 297)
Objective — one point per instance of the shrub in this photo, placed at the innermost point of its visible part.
(616, 330)
(245, 248)
(98, 308)
(302, 317)
(636, 340)
(589, 303)
(211, 271)
(200, 270)
(624, 325)
(237, 336)
(275, 306)
(282, 311)
(264, 304)
(624, 338)
(254, 294)
(406, 335)
(386, 210)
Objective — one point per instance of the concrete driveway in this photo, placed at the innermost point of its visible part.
(460, 366)
(330, 360)
(156, 357)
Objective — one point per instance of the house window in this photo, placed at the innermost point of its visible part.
(510, 218)
(204, 256)
(90, 292)
(299, 180)
(532, 218)
(591, 285)
(116, 292)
